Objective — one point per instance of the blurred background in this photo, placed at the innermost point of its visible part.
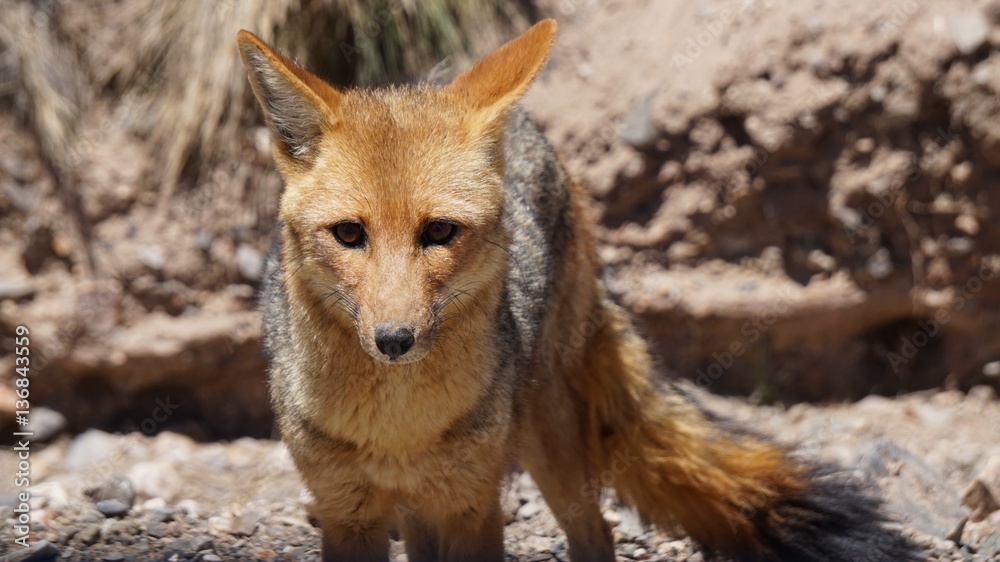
(797, 200)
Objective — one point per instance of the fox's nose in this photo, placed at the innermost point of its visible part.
(393, 339)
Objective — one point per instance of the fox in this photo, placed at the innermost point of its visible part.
(436, 318)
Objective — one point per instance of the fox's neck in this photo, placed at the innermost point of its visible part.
(396, 407)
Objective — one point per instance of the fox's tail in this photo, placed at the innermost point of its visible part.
(732, 491)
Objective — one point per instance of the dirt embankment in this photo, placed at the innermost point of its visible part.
(798, 202)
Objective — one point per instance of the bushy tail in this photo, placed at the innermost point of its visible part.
(732, 491)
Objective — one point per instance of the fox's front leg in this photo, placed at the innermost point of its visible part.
(456, 516)
(475, 535)
(469, 536)
(353, 513)
(423, 544)
(354, 541)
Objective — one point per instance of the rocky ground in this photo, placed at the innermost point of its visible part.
(100, 496)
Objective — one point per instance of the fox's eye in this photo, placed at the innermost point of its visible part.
(439, 233)
(350, 234)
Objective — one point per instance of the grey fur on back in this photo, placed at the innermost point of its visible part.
(535, 207)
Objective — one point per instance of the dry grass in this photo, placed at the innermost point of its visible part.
(169, 73)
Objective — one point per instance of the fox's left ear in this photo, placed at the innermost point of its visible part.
(497, 81)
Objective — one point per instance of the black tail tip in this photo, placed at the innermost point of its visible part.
(833, 519)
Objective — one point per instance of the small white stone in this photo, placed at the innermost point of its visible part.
(992, 369)
(969, 30)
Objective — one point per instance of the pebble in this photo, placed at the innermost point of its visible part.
(91, 516)
(916, 493)
(153, 503)
(192, 545)
(175, 529)
(879, 265)
(250, 262)
(152, 257)
(112, 508)
(265, 554)
(200, 543)
(527, 487)
(638, 129)
(88, 449)
(110, 528)
(528, 510)
(116, 488)
(969, 30)
(89, 534)
(49, 494)
(157, 530)
(18, 290)
(671, 547)
(203, 239)
(992, 546)
(959, 245)
(155, 479)
(41, 550)
(217, 524)
(983, 495)
(294, 552)
(46, 423)
(631, 524)
(245, 524)
(992, 369)
(162, 515)
(190, 508)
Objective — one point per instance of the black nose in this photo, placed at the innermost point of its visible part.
(393, 340)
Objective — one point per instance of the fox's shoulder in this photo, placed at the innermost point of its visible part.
(537, 209)
(533, 175)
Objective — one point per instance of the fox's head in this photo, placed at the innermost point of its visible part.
(393, 197)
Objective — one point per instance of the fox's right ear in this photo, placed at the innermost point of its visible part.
(298, 106)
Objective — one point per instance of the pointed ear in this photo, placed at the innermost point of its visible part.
(298, 105)
(497, 81)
